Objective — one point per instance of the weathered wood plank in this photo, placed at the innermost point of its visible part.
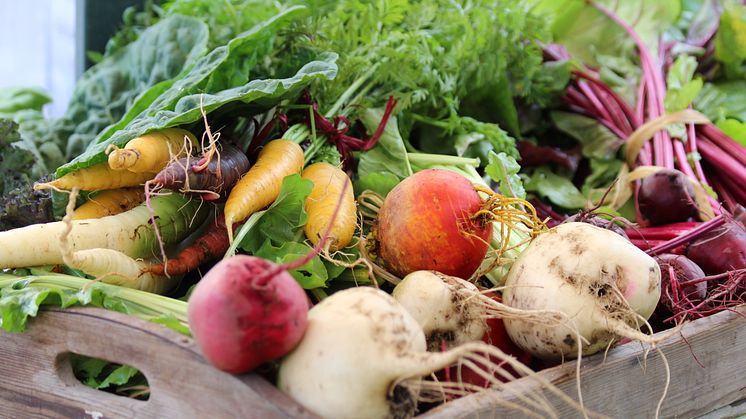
(37, 379)
(621, 387)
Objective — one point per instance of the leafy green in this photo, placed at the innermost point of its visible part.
(21, 298)
(596, 140)
(381, 183)
(681, 85)
(730, 41)
(557, 189)
(14, 99)
(504, 170)
(734, 129)
(723, 100)
(281, 221)
(586, 32)
(101, 374)
(253, 96)
(389, 156)
(20, 205)
(311, 275)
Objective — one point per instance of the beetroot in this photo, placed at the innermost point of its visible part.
(720, 250)
(676, 271)
(247, 311)
(589, 217)
(666, 197)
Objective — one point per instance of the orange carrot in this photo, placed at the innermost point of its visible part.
(211, 245)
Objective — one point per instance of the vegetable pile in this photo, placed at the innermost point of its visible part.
(446, 195)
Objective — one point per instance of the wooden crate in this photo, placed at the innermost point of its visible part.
(37, 379)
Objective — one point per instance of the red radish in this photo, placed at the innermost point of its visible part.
(243, 314)
(436, 220)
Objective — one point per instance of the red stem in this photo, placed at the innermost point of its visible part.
(688, 236)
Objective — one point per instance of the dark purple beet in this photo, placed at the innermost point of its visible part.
(666, 197)
(721, 250)
(684, 270)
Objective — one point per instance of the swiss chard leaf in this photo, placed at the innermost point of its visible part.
(389, 155)
(108, 90)
(557, 189)
(251, 97)
(596, 140)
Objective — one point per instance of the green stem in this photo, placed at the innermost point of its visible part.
(350, 91)
(424, 159)
(243, 231)
(425, 120)
(319, 294)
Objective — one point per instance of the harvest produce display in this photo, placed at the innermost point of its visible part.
(383, 206)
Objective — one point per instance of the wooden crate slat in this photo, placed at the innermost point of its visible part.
(37, 379)
(620, 387)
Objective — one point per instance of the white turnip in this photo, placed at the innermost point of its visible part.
(363, 355)
(607, 286)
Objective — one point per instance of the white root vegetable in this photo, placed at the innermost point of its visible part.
(607, 286)
(363, 355)
(441, 306)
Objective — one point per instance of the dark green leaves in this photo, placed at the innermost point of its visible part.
(557, 189)
(252, 97)
(730, 41)
(389, 156)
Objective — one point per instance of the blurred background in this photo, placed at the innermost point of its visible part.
(44, 43)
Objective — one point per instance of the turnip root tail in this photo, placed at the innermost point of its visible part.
(508, 212)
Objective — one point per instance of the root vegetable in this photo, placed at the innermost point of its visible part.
(151, 152)
(247, 311)
(667, 196)
(130, 233)
(261, 184)
(437, 220)
(676, 270)
(109, 202)
(721, 250)
(607, 286)
(363, 355)
(328, 182)
(95, 178)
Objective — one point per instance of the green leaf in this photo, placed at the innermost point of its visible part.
(504, 170)
(283, 219)
(14, 99)
(16, 305)
(389, 154)
(557, 189)
(379, 182)
(603, 172)
(106, 91)
(119, 376)
(730, 40)
(597, 140)
(682, 88)
(735, 129)
(311, 275)
(252, 97)
(586, 32)
(88, 369)
(723, 100)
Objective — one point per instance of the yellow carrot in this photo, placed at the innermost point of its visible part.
(97, 177)
(328, 182)
(261, 184)
(110, 202)
(151, 152)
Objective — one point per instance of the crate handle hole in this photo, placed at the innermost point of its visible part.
(107, 376)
